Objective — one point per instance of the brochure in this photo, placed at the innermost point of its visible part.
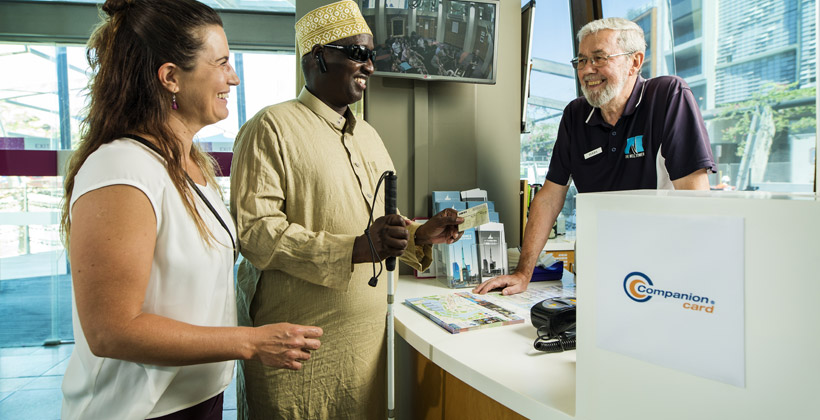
(492, 250)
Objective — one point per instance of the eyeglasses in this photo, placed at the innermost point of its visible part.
(358, 53)
(579, 63)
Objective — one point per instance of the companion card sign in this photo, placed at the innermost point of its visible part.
(670, 291)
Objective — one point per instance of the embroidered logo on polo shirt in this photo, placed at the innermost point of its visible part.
(634, 147)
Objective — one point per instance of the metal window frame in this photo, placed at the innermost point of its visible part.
(582, 12)
(26, 22)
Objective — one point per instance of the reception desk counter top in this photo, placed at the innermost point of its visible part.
(500, 362)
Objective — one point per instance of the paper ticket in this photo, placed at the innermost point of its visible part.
(473, 217)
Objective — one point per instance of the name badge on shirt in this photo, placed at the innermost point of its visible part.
(592, 153)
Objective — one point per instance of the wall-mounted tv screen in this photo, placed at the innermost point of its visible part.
(434, 39)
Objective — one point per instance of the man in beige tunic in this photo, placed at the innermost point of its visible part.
(302, 182)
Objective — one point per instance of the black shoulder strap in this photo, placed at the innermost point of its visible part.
(191, 182)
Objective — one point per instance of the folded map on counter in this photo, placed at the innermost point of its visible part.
(464, 311)
(458, 312)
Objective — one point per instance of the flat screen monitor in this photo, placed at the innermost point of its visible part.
(434, 39)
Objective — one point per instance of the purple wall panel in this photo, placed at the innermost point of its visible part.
(28, 162)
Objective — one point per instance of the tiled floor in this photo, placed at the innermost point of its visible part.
(30, 379)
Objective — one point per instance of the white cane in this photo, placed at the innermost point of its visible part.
(391, 380)
(390, 265)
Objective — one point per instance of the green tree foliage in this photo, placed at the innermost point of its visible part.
(540, 140)
(18, 119)
(795, 119)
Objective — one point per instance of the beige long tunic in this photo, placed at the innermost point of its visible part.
(302, 180)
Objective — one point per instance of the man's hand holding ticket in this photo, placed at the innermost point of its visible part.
(473, 217)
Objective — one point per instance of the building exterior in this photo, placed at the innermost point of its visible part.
(731, 51)
(741, 46)
(762, 42)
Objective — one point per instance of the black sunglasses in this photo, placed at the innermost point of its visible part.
(358, 53)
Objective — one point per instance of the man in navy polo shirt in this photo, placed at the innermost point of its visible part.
(625, 133)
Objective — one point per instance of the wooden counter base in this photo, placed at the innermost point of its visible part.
(441, 396)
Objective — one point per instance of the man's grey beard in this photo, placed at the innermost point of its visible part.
(603, 97)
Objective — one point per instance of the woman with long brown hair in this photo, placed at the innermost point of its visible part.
(150, 241)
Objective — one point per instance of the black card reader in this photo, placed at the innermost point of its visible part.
(555, 320)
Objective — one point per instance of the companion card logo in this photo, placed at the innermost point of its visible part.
(640, 288)
(631, 283)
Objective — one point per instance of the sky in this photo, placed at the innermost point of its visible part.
(553, 36)
(552, 40)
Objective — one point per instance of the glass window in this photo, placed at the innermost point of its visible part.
(396, 4)
(751, 66)
(266, 79)
(35, 284)
(283, 6)
(39, 80)
(552, 87)
(645, 21)
(699, 91)
(40, 106)
(687, 63)
(687, 27)
(42, 101)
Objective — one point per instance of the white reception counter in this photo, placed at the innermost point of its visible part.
(781, 266)
(499, 362)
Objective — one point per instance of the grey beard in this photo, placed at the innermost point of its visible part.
(603, 97)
